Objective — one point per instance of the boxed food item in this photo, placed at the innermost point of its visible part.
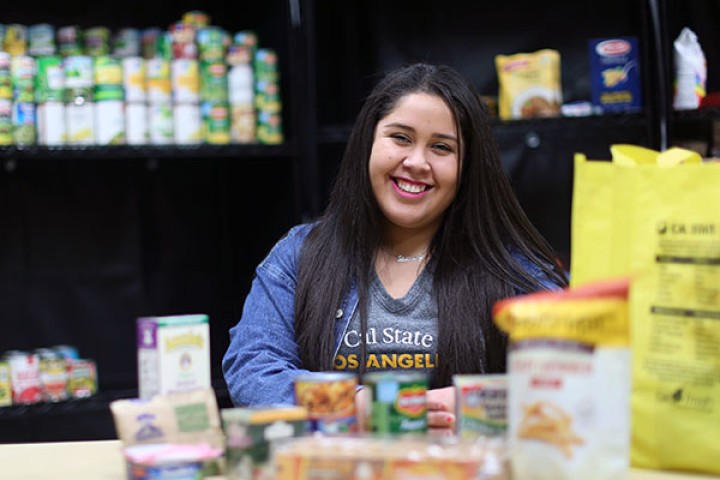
(569, 382)
(183, 418)
(250, 432)
(173, 354)
(615, 74)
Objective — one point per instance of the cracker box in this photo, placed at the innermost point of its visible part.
(173, 354)
(615, 74)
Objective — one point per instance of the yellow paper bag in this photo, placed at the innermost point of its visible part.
(656, 218)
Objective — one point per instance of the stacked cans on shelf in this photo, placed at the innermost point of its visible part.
(45, 375)
(191, 84)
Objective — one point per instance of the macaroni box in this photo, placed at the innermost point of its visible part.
(615, 74)
(173, 354)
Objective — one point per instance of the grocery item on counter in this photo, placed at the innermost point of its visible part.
(363, 457)
(250, 431)
(569, 381)
(173, 354)
(161, 461)
(397, 402)
(530, 84)
(189, 418)
(481, 404)
(329, 398)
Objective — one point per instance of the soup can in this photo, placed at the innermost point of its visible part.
(329, 398)
(398, 402)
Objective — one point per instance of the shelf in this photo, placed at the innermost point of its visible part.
(245, 151)
(329, 134)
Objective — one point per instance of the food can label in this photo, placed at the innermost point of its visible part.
(23, 121)
(108, 78)
(330, 401)
(187, 123)
(80, 124)
(158, 81)
(23, 71)
(216, 123)
(213, 81)
(481, 403)
(50, 82)
(25, 378)
(110, 122)
(185, 80)
(51, 123)
(5, 76)
(160, 123)
(134, 79)
(5, 385)
(398, 402)
(136, 123)
(6, 126)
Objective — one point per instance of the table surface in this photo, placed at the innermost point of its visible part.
(102, 460)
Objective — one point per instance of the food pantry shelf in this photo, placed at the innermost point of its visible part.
(240, 152)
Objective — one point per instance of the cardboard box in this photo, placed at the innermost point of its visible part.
(615, 74)
(173, 354)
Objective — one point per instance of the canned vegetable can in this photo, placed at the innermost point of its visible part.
(398, 402)
(329, 398)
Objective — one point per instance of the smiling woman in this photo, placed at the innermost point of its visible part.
(422, 235)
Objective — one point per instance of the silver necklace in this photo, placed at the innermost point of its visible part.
(414, 258)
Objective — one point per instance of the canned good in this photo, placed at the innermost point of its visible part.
(78, 71)
(69, 40)
(107, 78)
(212, 43)
(110, 122)
(6, 91)
(136, 124)
(50, 80)
(171, 461)
(97, 41)
(53, 375)
(329, 398)
(213, 81)
(6, 125)
(15, 39)
(481, 404)
(187, 124)
(196, 18)
(185, 75)
(148, 39)
(160, 123)
(24, 377)
(215, 122)
(23, 123)
(51, 123)
(241, 84)
(157, 80)
(23, 70)
(183, 44)
(80, 122)
(68, 352)
(41, 40)
(243, 123)
(134, 79)
(398, 401)
(126, 43)
(269, 128)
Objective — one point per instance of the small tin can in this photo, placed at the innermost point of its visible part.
(6, 125)
(136, 124)
(187, 124)
(215, 118)
(134, 79)
(398, 401)
(69, 40)
(481, 404)
(23, 123)
(6, 88)
(185, 74)
(41, 40)
(51, 123)
(157, 80)
(50, 80)
(97, 41)
(329, 398)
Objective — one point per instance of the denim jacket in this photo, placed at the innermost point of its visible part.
(263, 359)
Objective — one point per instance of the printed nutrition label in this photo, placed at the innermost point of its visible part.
(684, 308)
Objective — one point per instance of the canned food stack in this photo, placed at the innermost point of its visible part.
(241, 87)
(185, 74)
(50, 96)
(6, 95)
(51, 374)
(267, 97)
(109, 100)
(79, 109)
(136, 108)
(214, 107)
(159, 87)
(22, 68)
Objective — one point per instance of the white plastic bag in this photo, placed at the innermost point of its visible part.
(690, 71)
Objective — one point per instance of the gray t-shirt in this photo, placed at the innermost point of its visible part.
(401, 332)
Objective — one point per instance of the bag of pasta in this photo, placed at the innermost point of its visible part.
(568, 382)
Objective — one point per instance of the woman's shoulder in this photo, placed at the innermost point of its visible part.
(536, 271)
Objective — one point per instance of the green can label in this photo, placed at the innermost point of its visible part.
(398, 402)
(50, 80)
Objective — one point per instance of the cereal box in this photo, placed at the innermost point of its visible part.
(173, 354)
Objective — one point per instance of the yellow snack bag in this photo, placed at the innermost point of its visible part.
(568, 382)
(529, 84)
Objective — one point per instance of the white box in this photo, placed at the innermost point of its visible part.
(173, 354)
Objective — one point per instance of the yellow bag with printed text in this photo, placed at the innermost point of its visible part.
(656, 218)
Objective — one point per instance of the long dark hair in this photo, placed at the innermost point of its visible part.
(474, 250)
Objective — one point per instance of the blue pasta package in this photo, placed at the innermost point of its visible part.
(615, 74)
